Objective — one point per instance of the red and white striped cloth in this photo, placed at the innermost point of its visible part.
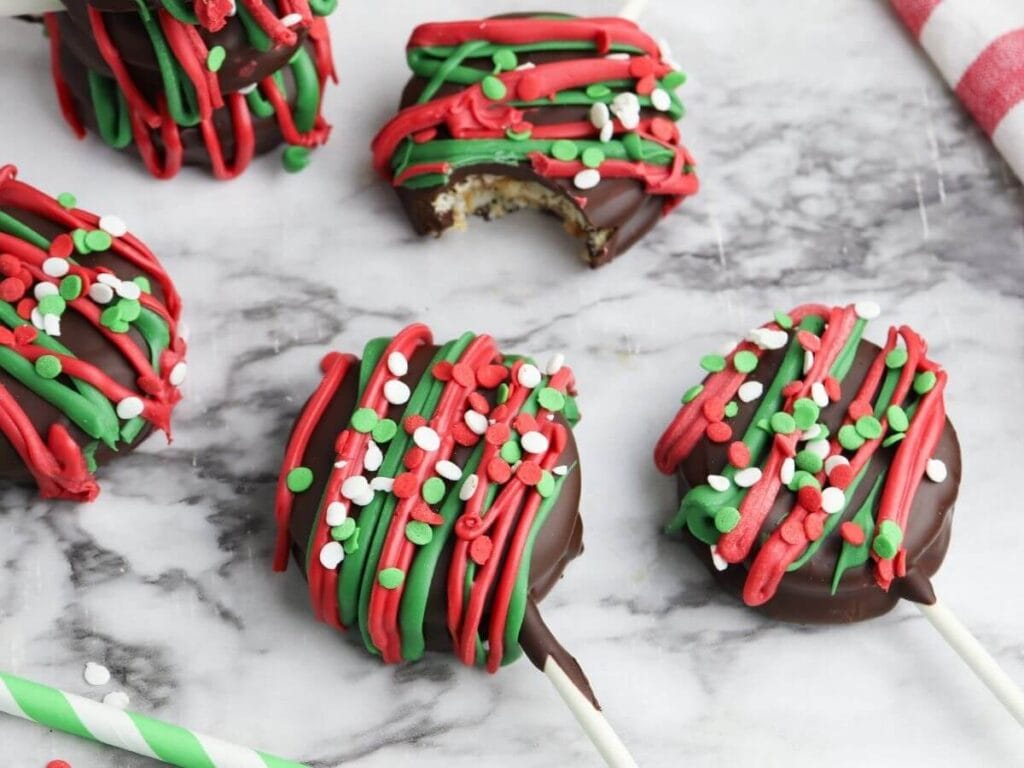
(978, 46)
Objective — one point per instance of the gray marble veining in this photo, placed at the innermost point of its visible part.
(835, 165)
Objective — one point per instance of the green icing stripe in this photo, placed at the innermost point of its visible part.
(180, 11)
(307, 87)
(182, 103)
(258, 39)
(844, 360)
(171, 743)
(12, 226)
(110, 109)
(155, 332)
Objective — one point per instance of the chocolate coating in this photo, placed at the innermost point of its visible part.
(804, 595)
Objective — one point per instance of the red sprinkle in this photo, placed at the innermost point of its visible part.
(714, 410)
(814, 525)
(62, 246)
(719, 432)
(463, 375)
(481, 548)
(664, 129)
(529, 473)
(25, 307)
(792, 388)
(490, 376)
(841, 475)
(832, 389)
(809, 498)
(808, 341)
(792, 532)
(852, 534)
(11, 289)
(9, 265)
(859, 409)
(641, 66)
(739, 454)
(25, 334)
(414, 422)
(479, 403)
(498, 470)
(497, 434)
(424, 514)
(464, 436)
(645, 85)
(406, 485)
(500, 412)
(443, 371)
(58, 764)
(422, 137)
(414, 457)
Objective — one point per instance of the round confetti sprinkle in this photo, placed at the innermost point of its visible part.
(546, 485)
(54, 267)
(343, 530)
(115, 699)
(819, 394)
(600, 116)
(511, 452)
(936, 470)
(587, 178)
(299, 479)
(787, 470)
(98, 240)
(719, 432)
(101, 293)
(419, 533)
(782, 423)
(426, 438)
(337, 513)
(480, 550)
(373, 458)
(493, 88)
(731, 409)
(469, 487)
(391, 578)
(331, 555)
(744, 361)
(897, 418)
(750, 391)
(783, 320)
(869, 427)
(849, 438)
(551, 399)
(505, 59)
(96, 674)
(215, 58)
(534, 442)
(529, 375)
(887, 541)
(719, 483)
(113, 226)
(355, 487)
(48, 366)
(396, 392)
(565, 150)
(67, 200)
(805, 413)
(745, 478)
(739, 454)
(867, 310)
(809, 461)
(712, 363)
(398, 364)
(835, 461)
(661, 100)
(726, 519)
(897, 358)
(852, 533)
(130, 407)
(364, 420)
(448, 470)
(52, 304)
(433, 490)
(64, 763)
(691, 394)
(924, 382)
(833, 500)
(476, 421)
(592, 157)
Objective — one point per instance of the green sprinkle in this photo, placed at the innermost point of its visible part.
(551, 399)
(419, 533)
(493, 88)
(726, 519)
(924, 382)
(897, 418)
(731, 409)
(111, 317)
(823, 432)
(98, 240)
(48, 366)
(673, 80)
(215, 59)
(691, 394)
(801, 479)
(71, 287)
(433, 490)
(352, 542)
(783, 320)
(67, 200)
(391, 578)
(782, 423)
(566, 150)
(364, 420)
(78, 238)
(344, 531)
(299, 479)
(511, 452)
(849, 438)
(296, 159)
(744, 361)
(809, 461)
(502, 393)
(869, 427)
(712, 363)
(805, 413)
(143, 282)
(887, 541)
(633, 145)
(517, 135)
(896, 359)
(592, 157)
(384, 430)
(598, 91)
(52, 304)
(505, 59)
(130, 309)
(894, 438)
(546, 486)
(763, 425)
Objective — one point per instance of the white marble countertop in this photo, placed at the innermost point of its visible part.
(835, 166)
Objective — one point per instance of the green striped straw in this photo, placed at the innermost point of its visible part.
(129, 731)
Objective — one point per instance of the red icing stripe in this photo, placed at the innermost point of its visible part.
(994, 83)
(915, 13)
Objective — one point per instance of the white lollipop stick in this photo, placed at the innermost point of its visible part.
(19, 7)
(593, 722)
(976, 657)
(632, 10)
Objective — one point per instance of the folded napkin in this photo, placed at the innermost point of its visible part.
(978, 46)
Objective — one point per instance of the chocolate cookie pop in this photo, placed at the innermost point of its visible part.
(818, 471)
(430, 493)
(90, 357)
(573, 116)
(211, 83)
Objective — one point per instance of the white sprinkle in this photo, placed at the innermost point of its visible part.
(426, 438)
(766, 338)
(178, 374)
(101, 293)
(398, 364)
(833, 500)
(660, 100)
(246, 90)
(96, 674)
(476, 422)
(113, 226)
(808, 361)
(835, 461)
(51, 324)
(374, 457)
(588, 178)
(108, 279)
(607, 132)
(354, 487)
(555, 363)
(529, 375)
(747, 477)
(292, 19)
(625, 103)
(469, 487)
(819, 447)
(331, 555)
(384, 484)
(55, 267)
(811, 433)
(750, 391)
(526, 65)
(936, 470)
(534, 442)
(720, 562)
(867, 310)
(365, 499)
(600, 116)
(819, 395)
(45, 289)
(787, 470)
(617, 56)
(37, 319)
(130, 407)
(396, 392)
(128, 290)
(629, 120)
(117, 700)
(337, 513)
(719, 483)
(341, 464)
(449, 470)
(561, 470)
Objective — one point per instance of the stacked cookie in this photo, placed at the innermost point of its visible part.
(210, 83)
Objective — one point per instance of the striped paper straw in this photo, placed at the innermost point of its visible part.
(978, 46)
(129, 731)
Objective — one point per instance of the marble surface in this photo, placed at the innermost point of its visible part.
(835, 166)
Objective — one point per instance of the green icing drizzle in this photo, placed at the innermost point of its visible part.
(853, 556)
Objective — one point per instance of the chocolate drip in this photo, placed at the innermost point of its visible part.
(540, 644)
